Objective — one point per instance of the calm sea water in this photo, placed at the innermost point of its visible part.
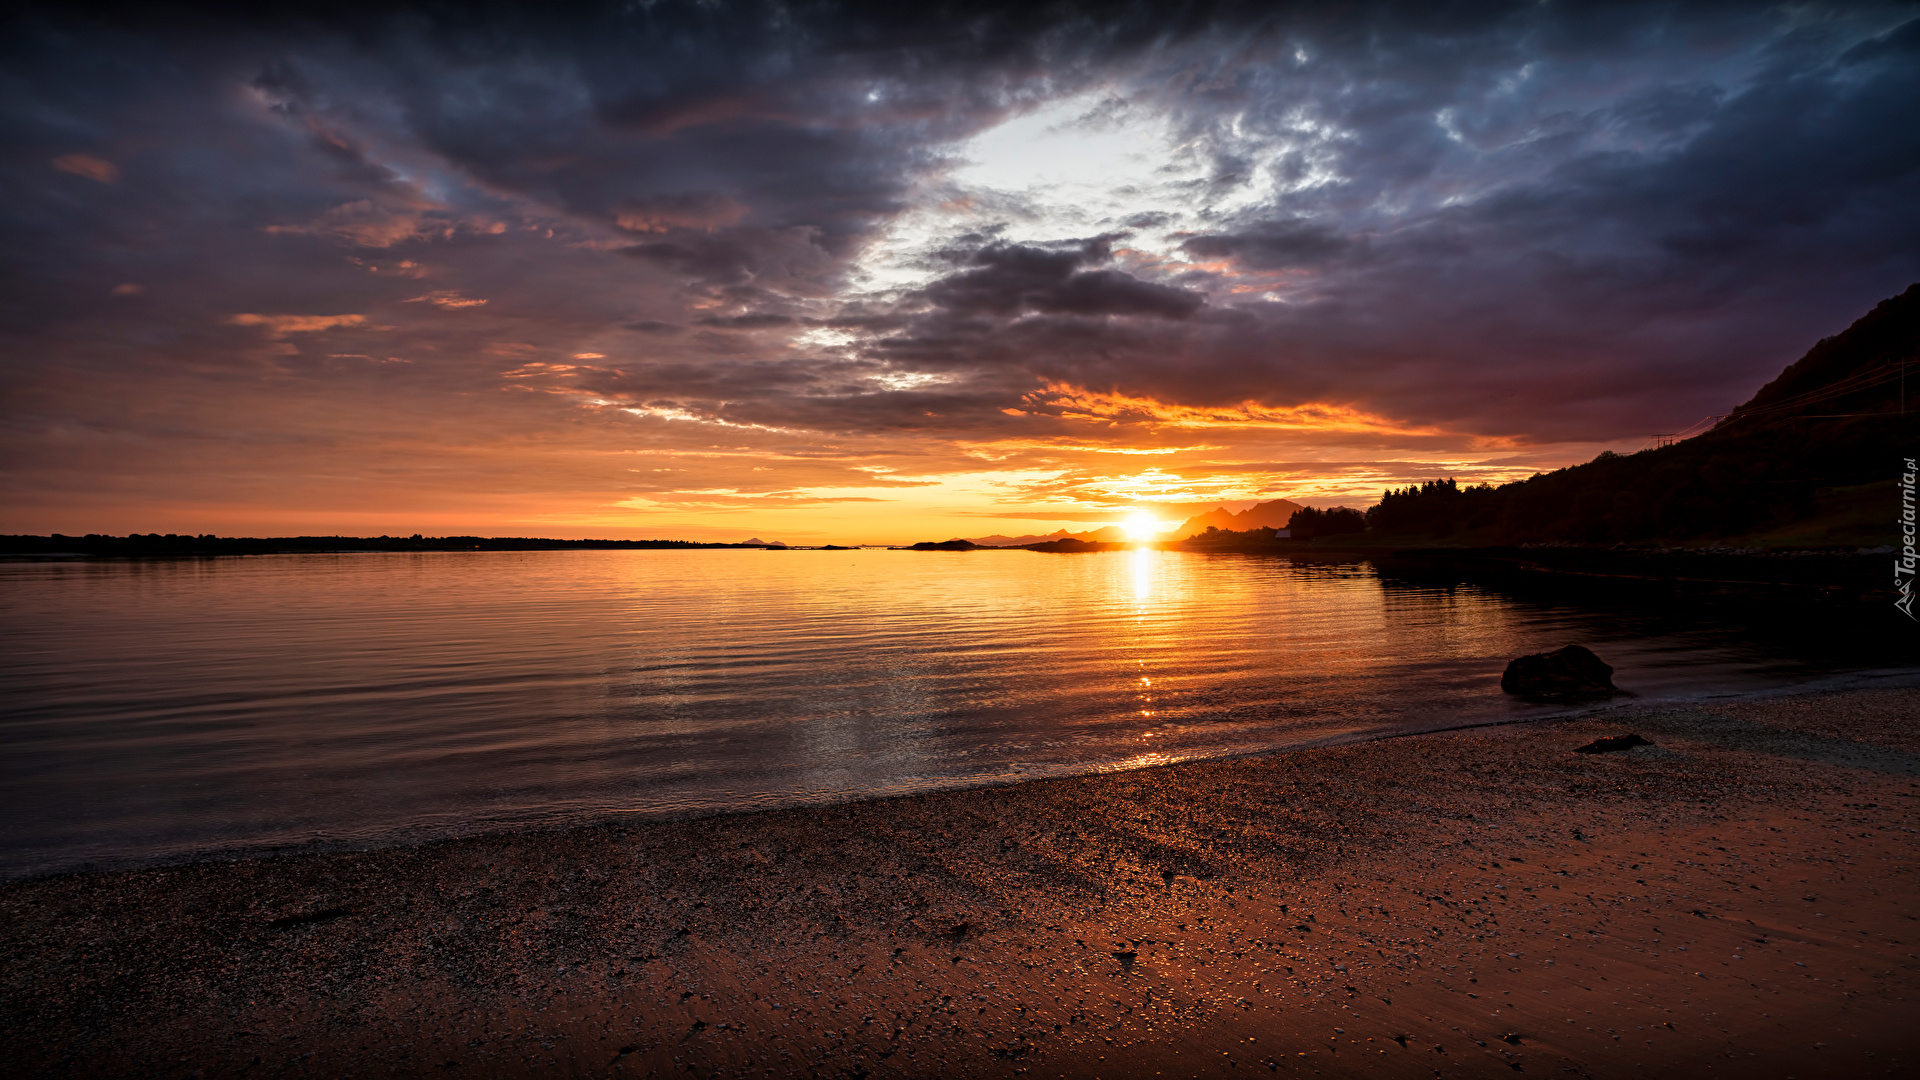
(158, 710)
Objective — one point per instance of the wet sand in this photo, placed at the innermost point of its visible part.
(1737, 900)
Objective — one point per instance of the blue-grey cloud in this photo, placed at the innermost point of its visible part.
(1010, 279)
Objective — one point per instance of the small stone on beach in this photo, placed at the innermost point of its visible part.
(1612, 744)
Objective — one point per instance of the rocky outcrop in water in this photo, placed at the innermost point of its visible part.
(1570, 672)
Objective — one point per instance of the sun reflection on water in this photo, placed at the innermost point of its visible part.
(1142, 564)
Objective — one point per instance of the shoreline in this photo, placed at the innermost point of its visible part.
(1833, 683)
(1192, 919)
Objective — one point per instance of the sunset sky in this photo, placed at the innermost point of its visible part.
(879, 273)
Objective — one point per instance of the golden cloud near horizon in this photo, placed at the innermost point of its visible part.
(1070, 402)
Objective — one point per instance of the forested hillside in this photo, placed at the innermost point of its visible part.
(1819, 437)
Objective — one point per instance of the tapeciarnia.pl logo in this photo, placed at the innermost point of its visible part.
(1903, 564)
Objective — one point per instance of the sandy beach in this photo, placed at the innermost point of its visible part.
(1737, 899)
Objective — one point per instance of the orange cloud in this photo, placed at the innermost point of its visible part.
(707, 212)
(405, 268)
(87, 165)
(282, 325)
(528, 370)
(368, 224)
(1060, 446)
(1077, 403)
(444, 298)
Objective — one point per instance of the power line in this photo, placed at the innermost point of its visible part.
(1773, 413)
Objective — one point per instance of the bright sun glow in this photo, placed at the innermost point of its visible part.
(1142, 527)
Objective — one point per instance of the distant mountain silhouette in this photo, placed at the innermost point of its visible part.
(1267, 515)
(1106, 534)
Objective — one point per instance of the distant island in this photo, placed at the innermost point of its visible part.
(157, 544)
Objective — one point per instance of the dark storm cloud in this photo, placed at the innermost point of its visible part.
(1009, 279)
(1518, 220)
(1273, 245)
(747, 322)
(670, 115)
(739, 258)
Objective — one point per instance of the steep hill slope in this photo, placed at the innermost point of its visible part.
(1827, 438)
(1858, 371)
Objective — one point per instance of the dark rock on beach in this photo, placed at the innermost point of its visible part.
(1571, 672)
(1612, 744)
(309, 917)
